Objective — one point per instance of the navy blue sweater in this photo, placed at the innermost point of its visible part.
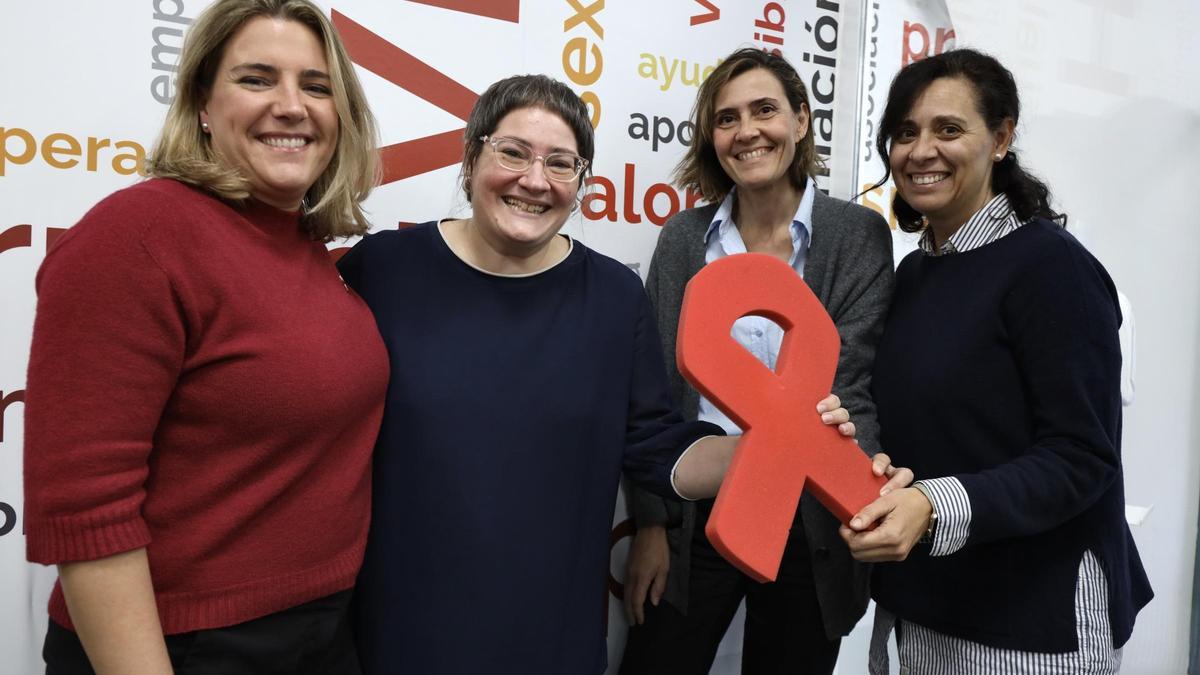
(514, 405)
(1001, 366)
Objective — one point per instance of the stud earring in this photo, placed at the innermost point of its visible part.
(999, 156)
(204, 126)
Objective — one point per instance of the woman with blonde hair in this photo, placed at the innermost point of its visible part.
(207, 500)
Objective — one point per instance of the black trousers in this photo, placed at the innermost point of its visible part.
(309, 639)
(784, 632)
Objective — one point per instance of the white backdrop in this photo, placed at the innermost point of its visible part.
(1112, 121)
(85, 84)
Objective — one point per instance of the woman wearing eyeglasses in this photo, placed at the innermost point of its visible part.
(526, 375)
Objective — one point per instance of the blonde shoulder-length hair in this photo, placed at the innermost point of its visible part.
(333, 204)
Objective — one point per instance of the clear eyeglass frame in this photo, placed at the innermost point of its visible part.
(515, 155)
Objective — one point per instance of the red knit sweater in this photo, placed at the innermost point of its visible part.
(202, 384)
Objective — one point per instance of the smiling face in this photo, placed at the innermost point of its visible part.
(942, 155)
(270, 112)
(518, 213)
(755, 131)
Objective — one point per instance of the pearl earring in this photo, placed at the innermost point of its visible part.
(204, 126)
(999, 156)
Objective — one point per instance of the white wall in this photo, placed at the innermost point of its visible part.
(1112, 121)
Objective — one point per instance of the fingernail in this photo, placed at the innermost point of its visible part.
(856, 523)
(827, 418)
(884, 491)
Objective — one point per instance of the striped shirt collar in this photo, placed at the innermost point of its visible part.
(989, 223)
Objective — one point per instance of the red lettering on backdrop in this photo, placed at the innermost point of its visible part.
(910, 53)
(785, 448)
(52, 235)
(505, 10)
(17, 396)
(17, 236)
(421, 155)
(600, 202)
(21, 236)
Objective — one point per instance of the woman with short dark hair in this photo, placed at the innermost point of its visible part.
(526, 376)
(998, 382)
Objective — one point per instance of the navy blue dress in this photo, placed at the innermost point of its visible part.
(513, 407)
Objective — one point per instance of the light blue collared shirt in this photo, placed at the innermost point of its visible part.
(762, 337)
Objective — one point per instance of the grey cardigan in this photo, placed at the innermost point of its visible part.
(849, 268)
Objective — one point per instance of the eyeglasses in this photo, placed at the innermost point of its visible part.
(514, 155)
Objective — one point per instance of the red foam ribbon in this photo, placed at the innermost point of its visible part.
(785, 448)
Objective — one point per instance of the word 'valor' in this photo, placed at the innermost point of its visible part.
(617, 200)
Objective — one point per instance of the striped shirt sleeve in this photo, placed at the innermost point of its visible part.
(953, 508)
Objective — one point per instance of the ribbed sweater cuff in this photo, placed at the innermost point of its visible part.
(214, 608)
(60, 540)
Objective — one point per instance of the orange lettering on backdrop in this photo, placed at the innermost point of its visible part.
(577, 50)
(785, 448)
(62, 151)
(28, 144)
(883, 207)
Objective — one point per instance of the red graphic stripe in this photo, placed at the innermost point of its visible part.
(504, 10)
(415, 157)
(403, 69)
(714, 13)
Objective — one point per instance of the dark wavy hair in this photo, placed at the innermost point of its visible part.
(996, 100)
(700, 170)
(526, 91)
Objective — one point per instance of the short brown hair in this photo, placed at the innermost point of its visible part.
(333, 204)
(699, 169)
(526, 91)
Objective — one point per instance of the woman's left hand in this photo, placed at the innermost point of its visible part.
(832, 413)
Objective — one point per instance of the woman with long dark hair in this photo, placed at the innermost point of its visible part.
(998, 381)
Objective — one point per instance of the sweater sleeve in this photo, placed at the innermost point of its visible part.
(108, 345)
(868, 281)
(649, 508)
(1062, 321)
(656, 434)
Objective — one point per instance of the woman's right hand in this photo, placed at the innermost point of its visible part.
(646, 571)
